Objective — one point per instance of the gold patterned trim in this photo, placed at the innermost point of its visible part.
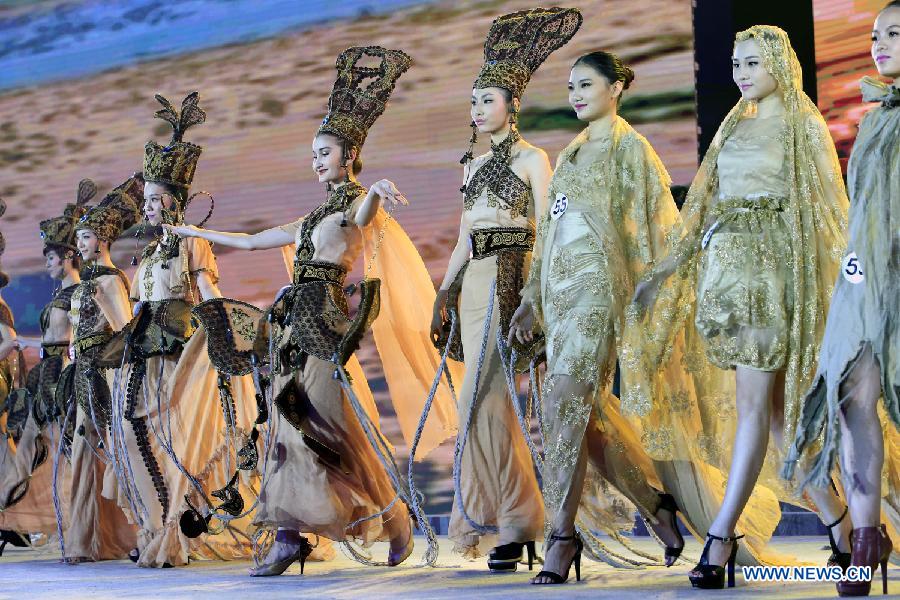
(492, 240)
(763, 203)
(309, 271)
(90, 341)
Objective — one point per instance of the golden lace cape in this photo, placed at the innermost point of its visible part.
(817, 213)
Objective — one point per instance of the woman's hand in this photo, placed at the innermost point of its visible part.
(645, 292)
(439, 313)
(521, 326)
(388, 192)
(184, 231)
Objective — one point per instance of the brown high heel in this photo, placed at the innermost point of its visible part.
(871, 547)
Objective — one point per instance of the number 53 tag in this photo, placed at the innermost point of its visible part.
(852, 268)
(559, 207)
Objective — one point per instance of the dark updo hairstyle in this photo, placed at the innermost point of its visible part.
(64, 253)
(891, 4)
(346, 148)
(608, 65)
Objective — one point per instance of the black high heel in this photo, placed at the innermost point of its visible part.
(556, 578)
(837, 558)
(507, 556)
(712, 577)
(667, 502)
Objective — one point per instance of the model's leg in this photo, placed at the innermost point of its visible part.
(862, 444)
(567, 411)
(826, 500)
(753, 398)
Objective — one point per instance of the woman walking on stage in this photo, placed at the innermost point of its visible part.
(497, 502)
(754, 266)
(324, 474)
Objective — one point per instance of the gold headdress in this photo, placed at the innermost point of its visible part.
(60, 231)
(4, 278)
(353, 109)
(175, 164)
(116, 212)
(519, 42)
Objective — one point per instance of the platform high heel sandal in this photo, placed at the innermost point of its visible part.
(304, 549)
(507, 556)
(667, 502)
(837, 558)
(712, 577)
(871, 547)
(556, 578)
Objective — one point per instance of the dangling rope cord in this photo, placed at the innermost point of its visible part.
(470, 416)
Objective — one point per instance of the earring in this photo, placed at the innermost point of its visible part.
(472, 140)
(514, 116)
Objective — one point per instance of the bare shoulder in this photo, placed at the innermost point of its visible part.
(530, 152)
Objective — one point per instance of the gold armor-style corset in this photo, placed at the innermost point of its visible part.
(504, 188)
(339, 200)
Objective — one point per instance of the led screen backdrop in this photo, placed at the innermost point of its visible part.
(843, 43)
(77, 80)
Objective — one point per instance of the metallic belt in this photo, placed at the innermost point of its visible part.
(491, 240)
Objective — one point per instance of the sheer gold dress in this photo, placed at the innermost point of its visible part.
(177, 401)
(98, 528)
(496, 500)
(322, 476)
(750, 272)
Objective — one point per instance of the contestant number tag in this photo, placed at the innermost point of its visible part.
(708, 235)
(559, 206)
(852, 268)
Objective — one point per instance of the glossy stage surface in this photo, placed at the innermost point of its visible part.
(36, 573)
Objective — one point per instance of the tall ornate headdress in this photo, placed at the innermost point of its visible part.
(4, 278)
(59, 232)
(116, 212)
(519, 42)
(352, 108)
(175, 163)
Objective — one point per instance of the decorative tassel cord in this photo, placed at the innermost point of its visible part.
(385, 456)
(416, 497)
(164, 434)
(470, 415)
(596, 548)
(121, 459)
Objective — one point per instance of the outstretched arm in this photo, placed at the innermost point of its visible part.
(270, 238)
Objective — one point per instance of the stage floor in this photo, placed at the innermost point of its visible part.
(37, 574)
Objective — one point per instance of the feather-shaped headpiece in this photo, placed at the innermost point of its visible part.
(175, 163)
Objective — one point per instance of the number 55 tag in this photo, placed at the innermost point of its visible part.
(559, 207)
(852, 268)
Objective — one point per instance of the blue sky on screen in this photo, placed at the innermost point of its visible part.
(47, 41)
